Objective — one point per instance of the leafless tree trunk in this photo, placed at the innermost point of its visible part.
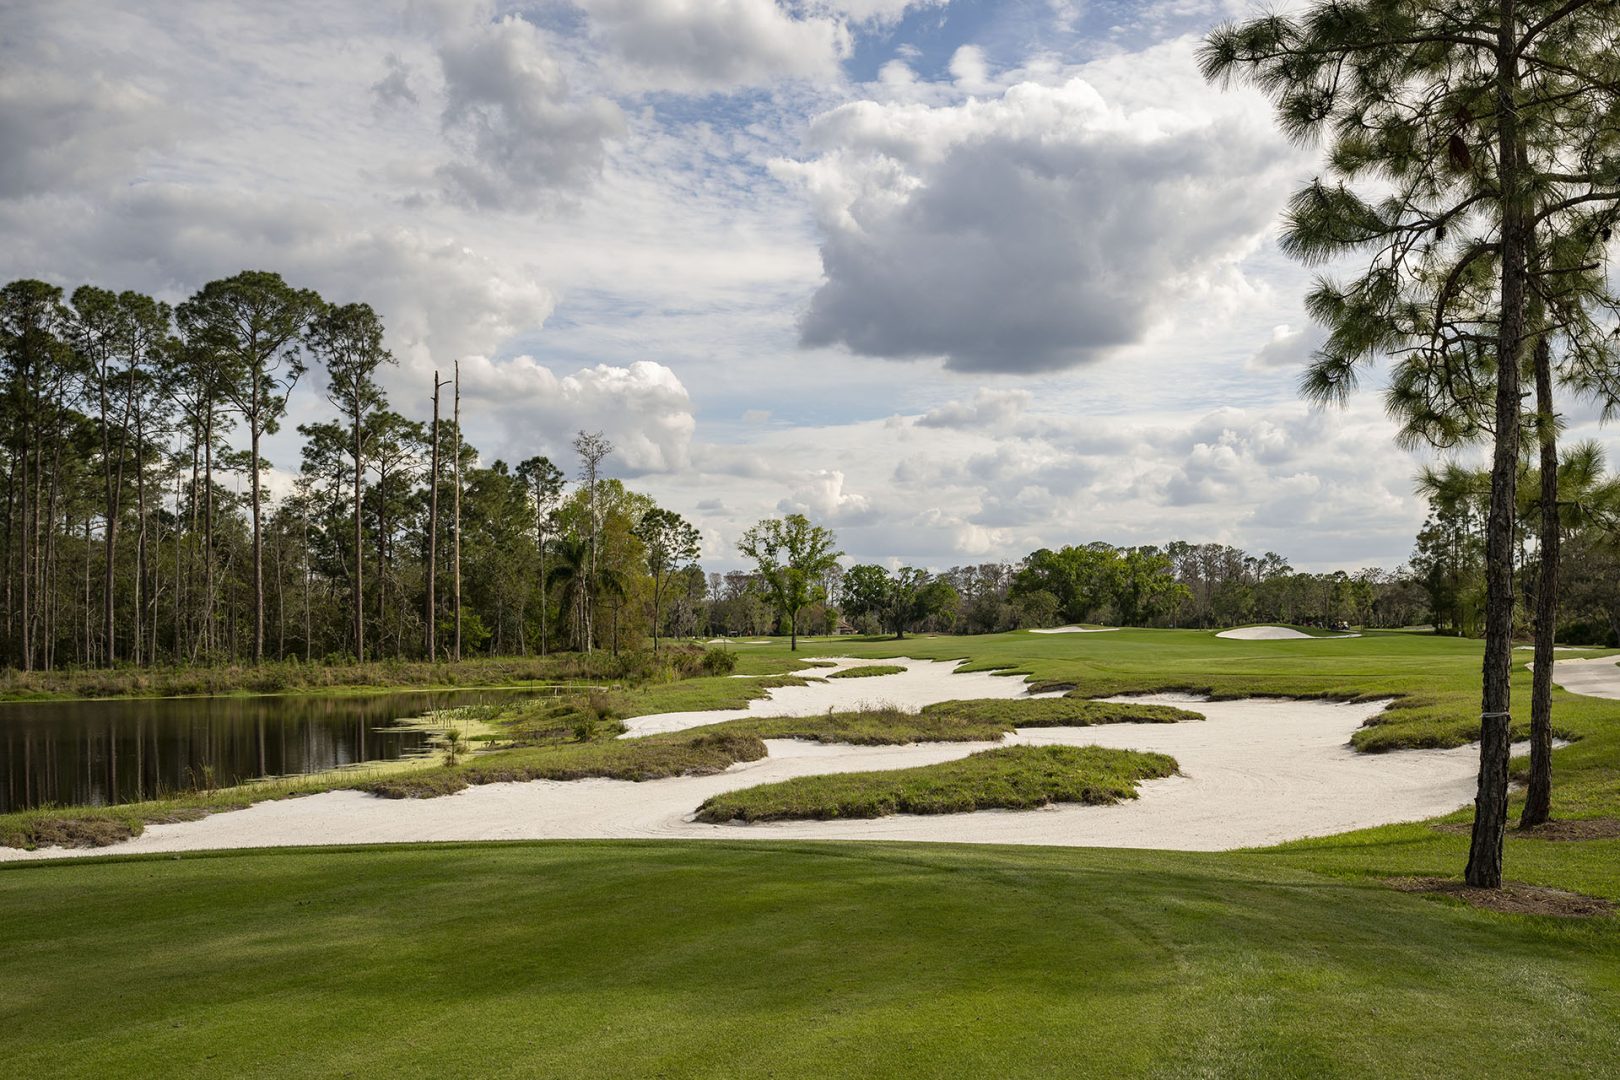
(456, 536)
(433, 529)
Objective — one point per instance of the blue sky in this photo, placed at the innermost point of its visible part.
(958, 279)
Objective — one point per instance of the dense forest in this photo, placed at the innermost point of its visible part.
(138, 530)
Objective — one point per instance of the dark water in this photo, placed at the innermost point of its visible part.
(100, 752)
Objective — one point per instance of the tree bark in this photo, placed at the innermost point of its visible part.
(359, 539)
(207, 636)
(256, 429)
(1538, 798)
(1484, 869)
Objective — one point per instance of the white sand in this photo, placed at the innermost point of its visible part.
(1076, 630)
(1254, 772)
(1277, 633)
(1597, 677)
(924, 682)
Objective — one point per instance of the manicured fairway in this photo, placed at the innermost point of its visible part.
(804, 960)
(784, 959)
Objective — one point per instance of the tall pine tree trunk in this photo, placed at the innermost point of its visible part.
(1538, 797)
(207, 636)
(1484, 869)
(255, 430)
(457, 534)
(359, 550)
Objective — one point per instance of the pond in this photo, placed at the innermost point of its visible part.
(101, 752)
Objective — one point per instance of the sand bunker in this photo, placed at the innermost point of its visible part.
(922, 683)
(1253, 773)
(1597, 677)
(1076, 630)
(1276, 633)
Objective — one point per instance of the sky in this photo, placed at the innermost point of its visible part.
(956, 279)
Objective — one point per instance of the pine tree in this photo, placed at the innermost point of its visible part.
(1467, 119)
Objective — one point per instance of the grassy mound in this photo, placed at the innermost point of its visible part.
(870, 671)
(978, 720)
(654, 757)
(710, 749)
(1007, 778)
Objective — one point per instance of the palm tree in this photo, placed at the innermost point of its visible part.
(578, 584)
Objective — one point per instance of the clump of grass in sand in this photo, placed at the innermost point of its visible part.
(870, 671)
(653, 757)
(1008, 778)
(953, 721)
(705, 750)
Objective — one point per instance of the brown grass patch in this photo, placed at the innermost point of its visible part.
(1512, 898)
(76, 832)
(1579, 829)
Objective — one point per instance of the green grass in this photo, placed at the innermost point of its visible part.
(1433, 681)
(807, 960)
(1006, 778)
(870, 671)
(755, 958)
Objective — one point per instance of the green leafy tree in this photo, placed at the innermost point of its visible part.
(865, 592)
(545, 482)
(348, 340)
(254, 324)
(791, 555)
(671, 543)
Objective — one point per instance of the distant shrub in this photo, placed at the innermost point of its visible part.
(719, 662)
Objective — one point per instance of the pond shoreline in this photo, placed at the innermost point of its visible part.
(128, 751)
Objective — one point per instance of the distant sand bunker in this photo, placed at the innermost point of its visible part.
(1276, 633)
(1598, 677)
(1076, 630)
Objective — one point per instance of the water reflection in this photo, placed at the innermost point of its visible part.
(100, 752)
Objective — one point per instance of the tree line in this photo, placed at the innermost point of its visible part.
(137, 528)
(1180, 584)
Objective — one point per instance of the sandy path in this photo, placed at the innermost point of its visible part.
(1254, 772)
(1596, 677)
(1278, 633)
(924, 682)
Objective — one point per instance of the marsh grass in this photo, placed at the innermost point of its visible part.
(567, 670)
(1005, 778)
